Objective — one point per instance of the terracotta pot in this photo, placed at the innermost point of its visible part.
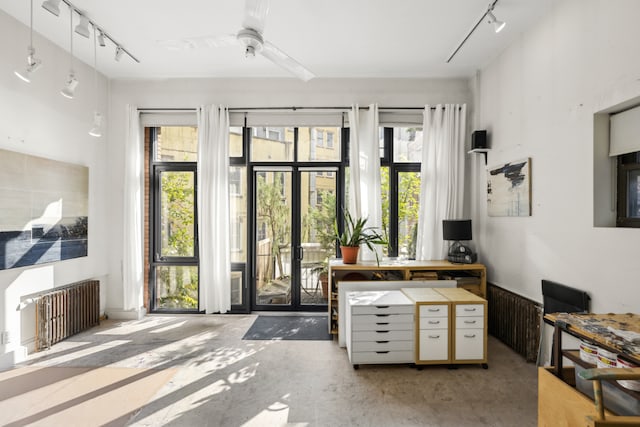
(349, 254)
(324, 282)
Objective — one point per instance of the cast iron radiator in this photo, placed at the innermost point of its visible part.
(514, 320)
(66, 311)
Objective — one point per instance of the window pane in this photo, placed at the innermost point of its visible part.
(177, 287)
(238, 213)
(408, 206)
(177, 144)
(235, 141)
(407, 144)
(177, 195)
(271, 144)
(236, 287)
(319, 144)
(384, 195)
(634, 194)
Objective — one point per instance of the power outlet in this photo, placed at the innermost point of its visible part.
(5, 338)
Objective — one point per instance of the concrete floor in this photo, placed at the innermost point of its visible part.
(222, 380)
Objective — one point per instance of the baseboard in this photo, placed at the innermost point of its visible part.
(120, 314)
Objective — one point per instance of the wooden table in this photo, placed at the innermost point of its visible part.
(596, 328)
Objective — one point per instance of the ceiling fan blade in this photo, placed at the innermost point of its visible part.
(255, 14)
(199, 42)
(280, 58)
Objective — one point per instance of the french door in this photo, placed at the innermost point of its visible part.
(294, 211)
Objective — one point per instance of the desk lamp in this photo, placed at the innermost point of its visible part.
(458, 230)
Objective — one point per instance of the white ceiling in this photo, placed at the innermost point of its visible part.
(332, 38)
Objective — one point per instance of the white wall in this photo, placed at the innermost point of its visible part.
(37, 120)
(251, 93)
(537, 100)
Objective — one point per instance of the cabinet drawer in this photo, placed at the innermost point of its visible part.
(406, 335)
(435, 310)
(382, 346)
(470, 322)
(434, 323)
(381, 319)
(381, 309)
(434, 345)
(382, 357)
(381, 326)
(469, 344)
(469, 310)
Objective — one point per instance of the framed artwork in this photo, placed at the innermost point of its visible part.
(509, 189)
(44, 208)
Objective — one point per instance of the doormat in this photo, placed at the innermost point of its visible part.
(309, 328)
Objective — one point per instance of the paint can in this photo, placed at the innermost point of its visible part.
(588, 352)
(630, 384)
(606, 359)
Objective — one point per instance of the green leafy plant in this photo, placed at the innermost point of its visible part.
(357, 233)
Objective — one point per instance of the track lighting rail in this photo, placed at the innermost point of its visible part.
(488, 12)
(100, 29)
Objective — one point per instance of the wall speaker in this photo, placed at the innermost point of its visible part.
(479, 139)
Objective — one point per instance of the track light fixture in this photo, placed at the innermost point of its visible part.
(101, 41)
(499, 25)
(52, 6)
(96, 129)
(118, 54)
(32, 62)
(83, 27)
(68, 91)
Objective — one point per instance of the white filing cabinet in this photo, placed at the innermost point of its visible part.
(380, 327)
(469, 324)
(432, 325)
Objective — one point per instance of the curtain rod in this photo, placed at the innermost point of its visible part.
(249, 109)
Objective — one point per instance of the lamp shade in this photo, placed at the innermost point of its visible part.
(456, 229)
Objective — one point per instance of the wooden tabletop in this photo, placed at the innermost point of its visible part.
(602, 328)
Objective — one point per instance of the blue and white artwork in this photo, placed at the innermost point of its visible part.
(43, 210)
(509, 189)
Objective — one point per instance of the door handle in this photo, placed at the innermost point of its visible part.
(300, 253)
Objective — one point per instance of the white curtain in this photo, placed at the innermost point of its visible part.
(213, 209)
(364, 169)
(132, 264)
(442, 176)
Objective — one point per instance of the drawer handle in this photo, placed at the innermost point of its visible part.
(382, 315)
(470, 321)
(470, 309)
(469, 335)
(382, 342)
(434, 336)
(434, 322)
(382, 306)
(382, 332)
(433, 310)
(382, 323)
(382, 352)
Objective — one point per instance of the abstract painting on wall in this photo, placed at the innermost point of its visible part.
(44, 208)
(509, 189)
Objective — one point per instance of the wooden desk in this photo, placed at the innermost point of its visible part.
(472, 277)
(560, 402)
(595, 328)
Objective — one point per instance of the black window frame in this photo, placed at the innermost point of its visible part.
(156, 167)
(395, 169)
(625, 164)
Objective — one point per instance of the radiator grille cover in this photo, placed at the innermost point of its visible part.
(66, 311)
(514, 320)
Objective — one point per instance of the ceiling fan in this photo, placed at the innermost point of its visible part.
(250, 37)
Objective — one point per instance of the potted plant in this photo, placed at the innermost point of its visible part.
(356, 233)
